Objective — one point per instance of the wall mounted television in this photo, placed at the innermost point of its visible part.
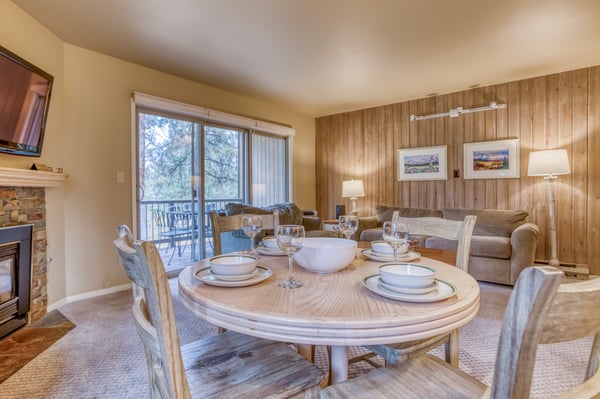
(24, 98)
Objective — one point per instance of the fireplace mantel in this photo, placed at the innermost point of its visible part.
(11, 177)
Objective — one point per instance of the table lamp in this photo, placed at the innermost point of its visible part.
(353, 189)
(550, 163)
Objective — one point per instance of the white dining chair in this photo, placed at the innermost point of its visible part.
(228, 365)
(459, 231)
(540, 311)
(225, 224)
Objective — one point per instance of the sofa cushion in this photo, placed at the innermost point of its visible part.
(483, 246)
(491, 222)
(384, 213)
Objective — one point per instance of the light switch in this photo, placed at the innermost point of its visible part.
(120, 177)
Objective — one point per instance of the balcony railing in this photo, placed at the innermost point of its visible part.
(149, 229)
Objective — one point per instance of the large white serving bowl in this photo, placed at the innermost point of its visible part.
(232, 264)
(326, 254)
(408, 275)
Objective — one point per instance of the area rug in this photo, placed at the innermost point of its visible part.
(103, 357)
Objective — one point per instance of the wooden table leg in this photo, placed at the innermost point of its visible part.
(307, 351)
(452, 348)
(339, 364)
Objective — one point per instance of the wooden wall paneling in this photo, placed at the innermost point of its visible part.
(539, 197)
(525, 130)
(502, 185)
(328, 160)
(442, 186)
(552, 141)
(387, 153)
(457, 138)
(479, 134)
(513, 118)
(322, 162)
(560, 110)
(564, 187)
(579, 172)
(360, 156)
(448, 139)
(593, 167)
(407, 129)
(413, 141)
(491, 185)
(399, 120)
(469, 137)
(427, 190)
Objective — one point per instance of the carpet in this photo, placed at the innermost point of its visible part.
(103, 357)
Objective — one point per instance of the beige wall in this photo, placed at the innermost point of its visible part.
(89, 135)
(24, 36)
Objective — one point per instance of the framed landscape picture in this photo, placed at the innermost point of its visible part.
(492, 159)
(424, 163)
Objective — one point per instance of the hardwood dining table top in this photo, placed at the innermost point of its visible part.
(330, 309)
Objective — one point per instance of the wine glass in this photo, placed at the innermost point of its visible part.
(348, 225)
(395, 234)
(290, 239)
(252, 226)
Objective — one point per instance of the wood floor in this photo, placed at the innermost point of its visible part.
(23, 345)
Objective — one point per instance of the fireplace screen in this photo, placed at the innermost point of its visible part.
(7, 279)
(15, 276)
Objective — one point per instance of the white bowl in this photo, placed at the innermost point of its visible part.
(232, 265)
(326, 255)
(382, 247)
(270, 242)
(408, 275)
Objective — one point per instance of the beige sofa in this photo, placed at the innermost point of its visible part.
(503, 241)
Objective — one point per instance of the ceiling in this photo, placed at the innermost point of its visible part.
(323, 57)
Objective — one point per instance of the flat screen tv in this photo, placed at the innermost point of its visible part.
(24, 98)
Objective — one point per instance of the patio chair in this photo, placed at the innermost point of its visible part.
(230, 365)
(175, 225)
(540, 311)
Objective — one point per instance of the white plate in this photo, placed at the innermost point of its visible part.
(269, 252)
(444, 290)
(240, 277)
(407, 257)
(408, 290)
(207, 277)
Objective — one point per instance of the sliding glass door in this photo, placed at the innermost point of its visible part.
(187, 168)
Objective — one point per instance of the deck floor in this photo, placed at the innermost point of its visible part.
(174, 262)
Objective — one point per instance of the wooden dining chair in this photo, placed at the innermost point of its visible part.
(541, 310)
(228, 365)
(224, 224)
(455, 230)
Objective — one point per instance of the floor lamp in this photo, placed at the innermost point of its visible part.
(353, 189)
(550, 163)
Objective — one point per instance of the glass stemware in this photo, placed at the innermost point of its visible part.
(290, 239)
(396, 235)
(348, 225)
(252, 226)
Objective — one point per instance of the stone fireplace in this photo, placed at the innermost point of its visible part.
(22, 202)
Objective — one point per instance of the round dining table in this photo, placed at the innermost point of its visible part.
(334, 309)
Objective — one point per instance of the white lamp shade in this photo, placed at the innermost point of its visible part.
(548, 163)
(353, 188)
